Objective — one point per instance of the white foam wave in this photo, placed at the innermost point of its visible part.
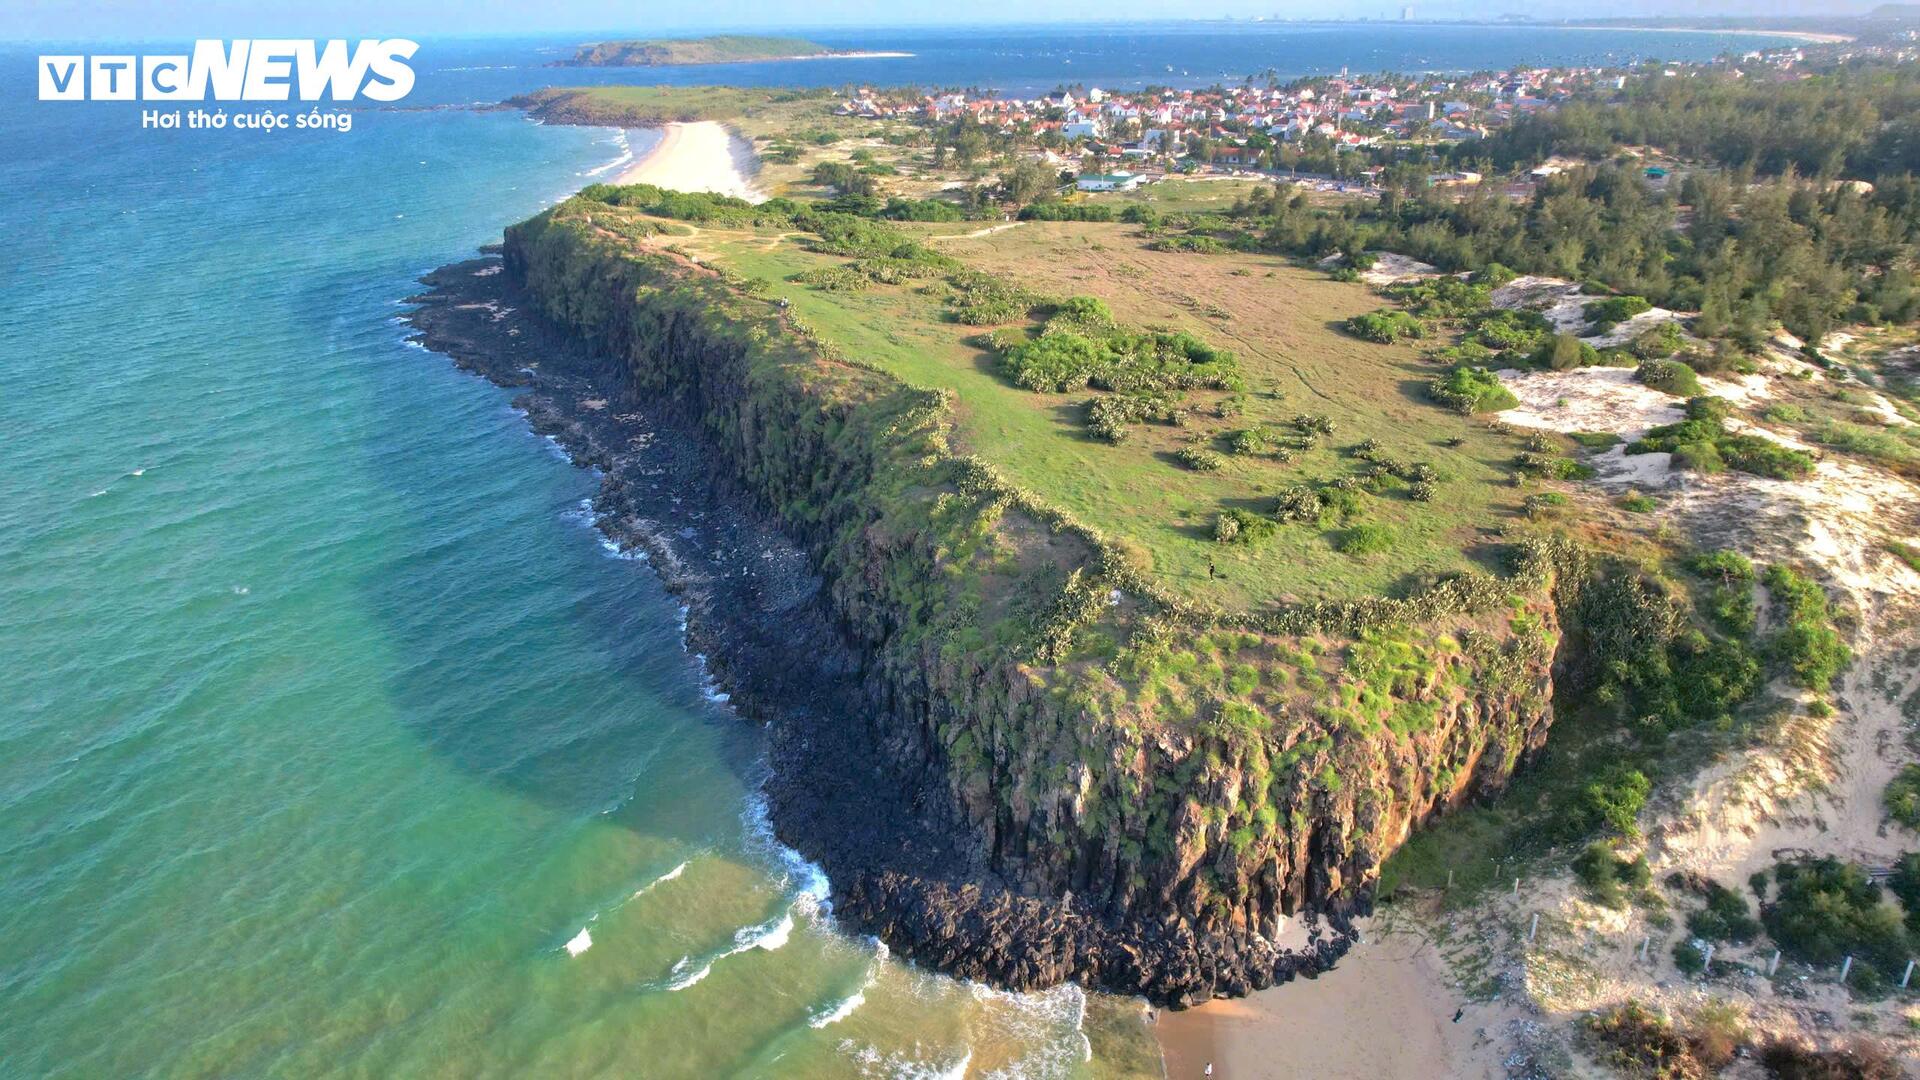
(769, 935)
(1052, 1022)
(580, 943)
(709, 686)
(845, 1007)
(812, 892)
(839, 1011)
(897, 1067)
(661, 880)
(626, 154)
(684, 975)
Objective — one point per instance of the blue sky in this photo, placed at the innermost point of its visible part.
(173, 19)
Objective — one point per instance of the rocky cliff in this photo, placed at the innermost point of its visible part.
(1094, 781)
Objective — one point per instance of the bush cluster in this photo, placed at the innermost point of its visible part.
(1702, 443)
(1826, 910)
(1240, 527)
(1469, 390)
(1066, 358)
(1669, 377)
(1807, 642)
(1607, 878)
(1386, 326)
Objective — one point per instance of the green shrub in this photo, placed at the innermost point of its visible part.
(900, 209)
(1247, 441)
(1702, 442)
(1199, 459)
(1902, 798)
(1689, 958)
(1190, 243)
(1905, 884)
(1442, 297)
(1727, 916)
(1509, 330)
(1657, 343)
(1564, 352)
(978, 299)
(1469, 390)
(1612, 801)
(1669, 377)
(1827, 910)
(1363, 539)
(1906, 553)
(1386, 326)
(1543, 504)
(1603, 315)
(1807, 642)
(1635, 502)
(1730, 599)
(1240, 527)
(1609, 878)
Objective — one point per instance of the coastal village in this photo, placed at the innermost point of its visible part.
(1329, 131)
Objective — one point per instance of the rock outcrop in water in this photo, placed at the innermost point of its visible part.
(1016, 759)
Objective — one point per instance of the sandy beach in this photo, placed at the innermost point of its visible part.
(1806, 37)
(1388, 1010)
(701, 156)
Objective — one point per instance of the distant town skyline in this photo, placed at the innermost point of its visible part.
(152, 19)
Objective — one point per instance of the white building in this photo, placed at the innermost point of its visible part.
(1109, 181)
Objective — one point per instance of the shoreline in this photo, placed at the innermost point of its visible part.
(1393, 983)
(702, 155)
(759, 612)
(1810, 37)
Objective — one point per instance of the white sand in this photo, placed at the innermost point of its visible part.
(1388, 268)
(701, 156)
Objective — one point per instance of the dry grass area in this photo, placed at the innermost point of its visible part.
(1280, 319)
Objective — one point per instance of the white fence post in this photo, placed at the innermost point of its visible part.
(1516, 886)
(1846, 967)
(1535, 928)
(1905, 975)
(1644, 943)
(1773, 965)
(1706, 965)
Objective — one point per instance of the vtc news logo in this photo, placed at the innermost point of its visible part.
(242, 70)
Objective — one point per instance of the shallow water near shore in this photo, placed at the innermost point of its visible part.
(333, 740)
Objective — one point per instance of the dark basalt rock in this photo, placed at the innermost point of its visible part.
(903, 866)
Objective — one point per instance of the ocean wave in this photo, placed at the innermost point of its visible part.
(839, 1010)
(662, 879)
(769, 935)
(812, 892)
(1053, 1022)
(899, 1067)
(584, 515)
(626, 154)
(683, 975)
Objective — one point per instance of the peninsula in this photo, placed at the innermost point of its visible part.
(1169, 524)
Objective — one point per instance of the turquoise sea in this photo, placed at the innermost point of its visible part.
(332, 740)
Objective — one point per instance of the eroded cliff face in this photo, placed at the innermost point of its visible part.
(1136, 793)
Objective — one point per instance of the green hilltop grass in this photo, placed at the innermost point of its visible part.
(1281, 320)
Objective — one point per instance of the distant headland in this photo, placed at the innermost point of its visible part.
(713, 49)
